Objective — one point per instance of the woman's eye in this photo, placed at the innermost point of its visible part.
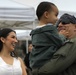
(14, 37)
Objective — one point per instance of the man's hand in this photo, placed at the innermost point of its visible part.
(63, 32)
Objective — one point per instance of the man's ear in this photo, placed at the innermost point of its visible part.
(75, 28)
(46, 14)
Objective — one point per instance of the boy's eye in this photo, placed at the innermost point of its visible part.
(13, 36)
(56, 14)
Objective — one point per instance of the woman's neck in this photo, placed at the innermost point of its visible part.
(5, 53)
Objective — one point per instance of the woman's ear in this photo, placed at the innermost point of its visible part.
(2, 39)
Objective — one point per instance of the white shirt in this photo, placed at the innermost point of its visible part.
(43, 25)
(40, 26)
(7, 69)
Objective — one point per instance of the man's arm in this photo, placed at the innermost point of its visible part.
(61, 60)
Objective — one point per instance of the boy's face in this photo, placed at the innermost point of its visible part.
(52, 15)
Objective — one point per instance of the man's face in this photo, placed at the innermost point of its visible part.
(69, 28)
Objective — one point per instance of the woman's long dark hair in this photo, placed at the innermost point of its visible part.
(4, 33)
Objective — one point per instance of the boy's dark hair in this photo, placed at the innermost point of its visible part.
(42, 7)
(66, 19)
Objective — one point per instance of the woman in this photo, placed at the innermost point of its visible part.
(10, 64)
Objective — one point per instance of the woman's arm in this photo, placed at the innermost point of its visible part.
(23, 67)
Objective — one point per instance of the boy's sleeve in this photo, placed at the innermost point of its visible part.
(54, 37)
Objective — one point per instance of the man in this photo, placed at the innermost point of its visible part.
(63, 61)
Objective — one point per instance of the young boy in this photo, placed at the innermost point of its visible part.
(45, 38)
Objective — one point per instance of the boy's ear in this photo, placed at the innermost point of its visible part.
(46, 14)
